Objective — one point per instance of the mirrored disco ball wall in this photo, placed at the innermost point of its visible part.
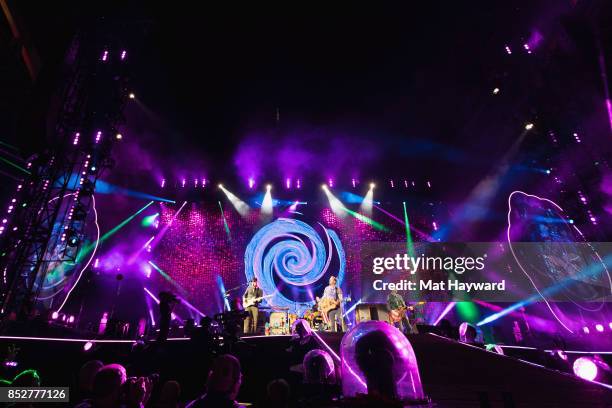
(203, 249)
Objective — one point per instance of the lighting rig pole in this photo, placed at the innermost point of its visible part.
(47, 216)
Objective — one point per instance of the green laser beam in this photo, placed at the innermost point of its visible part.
(409, 242)
(18, 167)
(369, 221)
(227, 230)
(149, 220)
(86, 250)
(9, 145)
(468, 311)
(168, 278)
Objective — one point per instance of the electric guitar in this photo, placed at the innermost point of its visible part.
(250, 302)
(396, 315)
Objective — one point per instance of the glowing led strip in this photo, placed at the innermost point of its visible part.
(516, 258)
(93, 253)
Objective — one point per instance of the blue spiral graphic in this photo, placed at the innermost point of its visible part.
(293, 252)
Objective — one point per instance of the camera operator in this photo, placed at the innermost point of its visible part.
(112, 389)
(167, 302)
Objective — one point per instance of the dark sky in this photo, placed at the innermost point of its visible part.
(411, 83)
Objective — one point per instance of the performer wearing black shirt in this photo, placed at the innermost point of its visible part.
(250, 301)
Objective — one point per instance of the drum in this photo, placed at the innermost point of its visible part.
(278, 323)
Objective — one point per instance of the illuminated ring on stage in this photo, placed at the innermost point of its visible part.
(565, 325)
(293, 252)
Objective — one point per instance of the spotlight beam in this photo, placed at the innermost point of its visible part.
(139, 251)
(240, 206)
(585, 274)
(267, 205)
(368, 202)
(446, 310)
(87, 249)
(168, 278)
(340, 209)
(395, 218)
(174, 316)
(163, 231)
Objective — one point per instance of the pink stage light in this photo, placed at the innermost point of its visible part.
(251, 182)
(508, 50)
(87, 346)
(123, 55)
(585, 368)
(599, 328)
(527, 48)
(105, 55)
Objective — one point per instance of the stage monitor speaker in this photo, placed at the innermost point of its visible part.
(371, 311)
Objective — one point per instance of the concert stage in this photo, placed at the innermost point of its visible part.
(386, 173)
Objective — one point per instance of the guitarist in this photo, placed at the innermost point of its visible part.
(252, 297)
(397, 312)
(332, 295)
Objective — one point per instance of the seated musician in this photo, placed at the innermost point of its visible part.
(251, 300)
(330, 305)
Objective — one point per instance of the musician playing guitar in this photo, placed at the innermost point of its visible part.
(397, 313)
(250, 300)
(330, 305)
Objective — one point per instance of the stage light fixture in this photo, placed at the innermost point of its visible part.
(221, 186)
(585, 368)
(368, 202)
(372, 185)
(87, 346)
(268, 187)
(529, 126)
(72, 239)
(132, 96)
(495, 91)
(119, 136)
(599, 328)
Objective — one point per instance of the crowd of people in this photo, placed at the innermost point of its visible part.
(320, 383)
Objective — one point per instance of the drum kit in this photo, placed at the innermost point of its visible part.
(280, 321)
